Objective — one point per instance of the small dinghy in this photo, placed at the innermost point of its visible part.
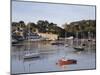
(66, 45)
(66, 62)
(79, 48)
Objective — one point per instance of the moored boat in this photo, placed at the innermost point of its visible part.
(79, 48)
(14, 41)
(66, 62)
(57, 43)
(31, 55)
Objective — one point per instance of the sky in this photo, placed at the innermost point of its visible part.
(56, 13)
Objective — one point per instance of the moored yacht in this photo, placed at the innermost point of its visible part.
(32, 55)
(78, 46)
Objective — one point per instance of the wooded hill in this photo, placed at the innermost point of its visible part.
(82, 27)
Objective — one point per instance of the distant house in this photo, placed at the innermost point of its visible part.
(49, 36)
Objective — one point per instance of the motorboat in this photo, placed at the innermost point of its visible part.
(62, 62)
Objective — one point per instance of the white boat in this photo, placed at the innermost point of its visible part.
(78, 47)
(31, 55)
(14, 41)
(66, 45)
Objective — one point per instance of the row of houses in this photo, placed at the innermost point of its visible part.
(20, 32)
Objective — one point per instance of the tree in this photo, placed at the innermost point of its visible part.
(22, 24)
(41, 26)
(82, 27)
(31, 27)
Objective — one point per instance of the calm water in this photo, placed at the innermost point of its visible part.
(49, 55)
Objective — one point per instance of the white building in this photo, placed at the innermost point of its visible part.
(49, 36)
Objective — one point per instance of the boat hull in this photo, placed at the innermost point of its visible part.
(57, 44)
(33, 55)
(79, 49)
(67, 62)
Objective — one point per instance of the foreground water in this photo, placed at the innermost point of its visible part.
(49, 55)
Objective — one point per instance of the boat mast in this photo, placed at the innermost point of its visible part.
(80, 36)
(77, 39)
(81, 41)
(65, 37)
(29, 39)
(89, 39)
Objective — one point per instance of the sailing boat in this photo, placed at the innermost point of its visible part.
(78, 47)
(66, 45)
(31, 54)
(90, 41)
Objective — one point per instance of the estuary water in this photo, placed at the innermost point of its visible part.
(49, 55)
